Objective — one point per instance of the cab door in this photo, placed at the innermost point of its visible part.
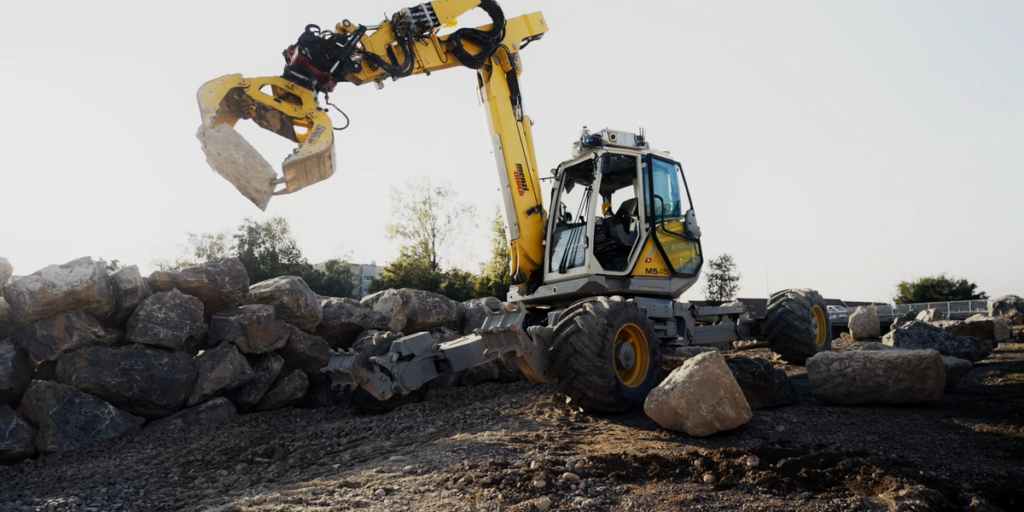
(673, 249)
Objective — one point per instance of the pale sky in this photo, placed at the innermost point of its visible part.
(842, 146)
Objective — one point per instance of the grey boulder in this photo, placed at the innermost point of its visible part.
(1007, 307)
(931, 315)
(48, 339)
(220, 284)
(479, 374)
(15, 372)
(218, 370)
(17, 437)
(210, 412)
(918, 337)
(900, 321)
(6, 271)
(411, 311)
(130, 289)
(265, 369)
(9, 325)
(701, 397)
(307, 353)
(981, 327)
(286, 392)
(167, 320)
(80, 284)
(877, 376)
(291, 297)
(763, 385)
(956, 370)
(864, 324)
(344, 319)
(476, 312)
(141, 380)
(254, 329)
(68, 418)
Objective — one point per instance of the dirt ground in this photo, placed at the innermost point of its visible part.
(506, 447)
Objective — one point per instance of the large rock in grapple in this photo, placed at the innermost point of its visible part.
(877, 376)
(15, 371)
(47, 340)
(864, 324)
(763, 385)
(69, 418)
(1007, 307)
(142, 380)
(476, 312)
(265, 369)
(209, 412)
(17, 437)
(286, 392)
(219, 369)
(130, 289)
(291, 297)
(254, 329)
(701, 397)
(918, 336)
(167, 320)
(412, 311)
(80, 284)
(344, 319)
(220, 284)
(306, 352)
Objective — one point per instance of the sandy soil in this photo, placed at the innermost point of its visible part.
(507, 447)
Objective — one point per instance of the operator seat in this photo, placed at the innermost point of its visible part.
(622, 223)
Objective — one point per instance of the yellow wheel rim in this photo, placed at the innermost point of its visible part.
(818, 325)
(634, 375)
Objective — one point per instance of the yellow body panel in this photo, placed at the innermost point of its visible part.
(682, 253)
(650, 263)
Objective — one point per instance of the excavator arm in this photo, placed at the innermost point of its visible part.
(406, 44)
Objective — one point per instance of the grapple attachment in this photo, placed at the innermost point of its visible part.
(275, 104)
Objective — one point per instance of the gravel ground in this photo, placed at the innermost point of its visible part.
(510, 447)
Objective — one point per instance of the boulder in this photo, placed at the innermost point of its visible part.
(411, 311)
(763, 385)
(17, 437)
(168, 320)
(1007, 307)
(6, 271)
(320, 395)
(218, 370)
(864, 324)
(931, 315)
(209, 412)
(508, 370)
(906, 318)
(141, 380)
(307, 353)
(917, 337)
(981, 327)
(130, 289)
(371, 299)
(292, 299)
(287, 391)
(877, 376)
(81, 284)
(479, 374)
(15, 372)
(68, 418)
(344, 319)
(874, 345)
(9, 326)
(476, 312)
(254, 329)
(234, 159)
(749, 344)
(265, 369)
(47, 340)
(692, 351)
(956, 370)
(220, 284)
(701, 397)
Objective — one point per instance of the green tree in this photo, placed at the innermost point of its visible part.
(267, 249)
(335, 279)
(495, 276)
(723, 280)
(459, 285)
(409, 270)
(199, 248)
(940, 288)
(428, 218)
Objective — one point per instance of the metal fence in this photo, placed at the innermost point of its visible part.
(957, 310)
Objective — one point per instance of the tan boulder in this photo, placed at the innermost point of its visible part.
(701, 397)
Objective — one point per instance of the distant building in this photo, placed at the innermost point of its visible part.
(362, 274)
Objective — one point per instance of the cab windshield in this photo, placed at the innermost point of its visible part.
(669, 201)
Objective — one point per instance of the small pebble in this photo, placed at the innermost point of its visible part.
(543, 504)
(461, 484)
(398, 458)
(753, 461)
(780, 428)
(409, 469)
(486, 480)
(728, 480)
(539, 483)
(591, 503)
(534, 464)
(570, 477)
(709, 478)
(380, 493)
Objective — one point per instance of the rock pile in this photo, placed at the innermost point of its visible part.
(88, 356)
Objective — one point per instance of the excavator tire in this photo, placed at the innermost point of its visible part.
(797, 325)
(588, 355)
(365, 403)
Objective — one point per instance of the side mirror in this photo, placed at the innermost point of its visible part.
(690, 225)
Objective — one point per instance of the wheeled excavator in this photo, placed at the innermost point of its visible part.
(593, 303)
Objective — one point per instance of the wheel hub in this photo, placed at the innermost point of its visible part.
(625, 354)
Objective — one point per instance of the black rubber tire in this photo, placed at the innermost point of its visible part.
(789, 325)
(582, 355)
(365, 403)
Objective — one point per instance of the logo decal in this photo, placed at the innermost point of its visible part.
(521, 180)
(316, 133)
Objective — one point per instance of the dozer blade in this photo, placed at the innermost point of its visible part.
(275, 104)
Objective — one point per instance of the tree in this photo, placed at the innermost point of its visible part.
(336, 279)
(409, 270)
(430, 219)
(200, 248)
(495, 275)
(267, 249)
(939, 288)
(459, 285)
(722, 280)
